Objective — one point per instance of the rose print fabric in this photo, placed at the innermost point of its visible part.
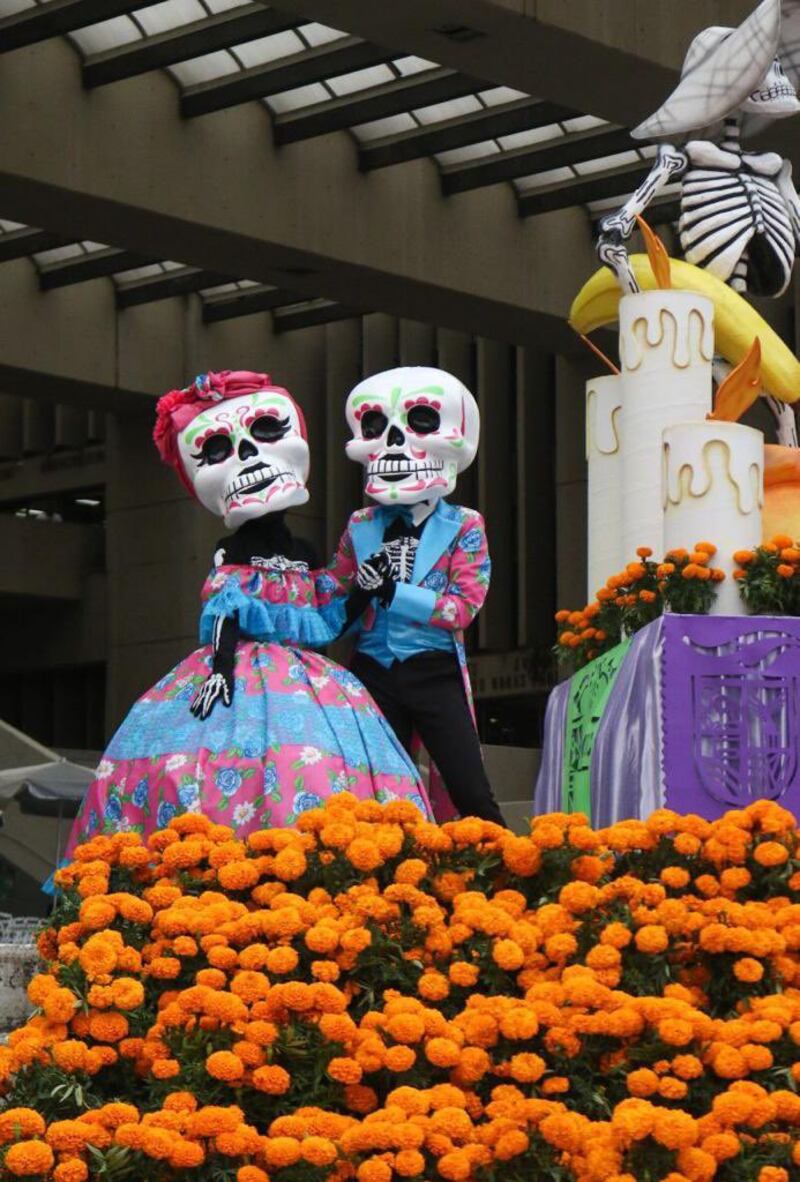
(299, 729)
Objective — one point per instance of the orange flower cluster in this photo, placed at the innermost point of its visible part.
(684, 582)
(769, 577)
(372, 997)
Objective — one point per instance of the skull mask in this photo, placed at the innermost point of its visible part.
(414, 429)
(775, 97)
(247, 456)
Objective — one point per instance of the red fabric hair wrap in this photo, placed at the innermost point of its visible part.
(177, 408)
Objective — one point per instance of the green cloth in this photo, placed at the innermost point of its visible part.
(588, 693)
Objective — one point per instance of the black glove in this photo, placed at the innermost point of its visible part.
(375, 575)
(220, 683)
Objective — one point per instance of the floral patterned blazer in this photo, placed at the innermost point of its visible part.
(451, 572)
(449, 582)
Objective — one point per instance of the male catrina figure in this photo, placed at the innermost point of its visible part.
(426, 562)
(739, 209)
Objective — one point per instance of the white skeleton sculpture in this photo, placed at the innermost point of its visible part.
(740, 211)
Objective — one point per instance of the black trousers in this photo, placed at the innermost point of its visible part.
(426, 694)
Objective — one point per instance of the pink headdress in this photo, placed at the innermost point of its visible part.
(177, 408)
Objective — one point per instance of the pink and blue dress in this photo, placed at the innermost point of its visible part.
(299, 728)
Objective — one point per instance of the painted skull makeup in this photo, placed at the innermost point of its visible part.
(246, 456)
(414, 429)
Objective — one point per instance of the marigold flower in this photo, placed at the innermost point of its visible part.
(344, 1070)
(72, 1170)
(20, 1122)
(26, 1158)
(374, 1169)
(652, 938)
(463, 974)
(225, 1066)
(510, 1145)
(108, 1027)
(642, 1082)
(273, 1080)
(442, 1052)
(771, 853)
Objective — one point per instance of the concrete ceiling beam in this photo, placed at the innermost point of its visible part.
(120, 166)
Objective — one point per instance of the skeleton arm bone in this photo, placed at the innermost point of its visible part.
(617, 227)
(219, 684)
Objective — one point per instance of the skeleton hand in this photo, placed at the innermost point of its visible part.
(373, 572)
(376, 576)
(217, 686)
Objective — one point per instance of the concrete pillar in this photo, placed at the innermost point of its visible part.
(343, 478)
(38, 420)
(71, 427)
(381, 346)
(417, 343)
(456, 354)
(159, 548)
(11, 416)
(496, 392)
(304, 366)
(570, 473)
(536, 498)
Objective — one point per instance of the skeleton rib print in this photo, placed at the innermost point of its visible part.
(722, 211)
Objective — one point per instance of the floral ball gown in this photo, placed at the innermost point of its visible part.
(299, 727)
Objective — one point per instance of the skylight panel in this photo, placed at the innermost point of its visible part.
(120, 30)
(448, 110)
(584, 123)
(268, 49)
(205, 68)
(225, 5)
(160, 18)
(602, 163)
(315, 34)
(59, 254)
(301, 96)
(414, 65)
(541, 180)
(501, 94)
(360, 80)
(10, 7)
(533, 135)
(376, 130)
(154, 271)
(468, 152)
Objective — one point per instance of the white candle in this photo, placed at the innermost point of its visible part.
(666, 350)
(713, 481)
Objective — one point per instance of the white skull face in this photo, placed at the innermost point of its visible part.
(414, 429)
(775, 97)
(246, 456)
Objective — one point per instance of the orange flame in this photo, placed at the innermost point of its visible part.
(657, 254)
(741, 387)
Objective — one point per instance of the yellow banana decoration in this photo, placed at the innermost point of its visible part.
(736, 322)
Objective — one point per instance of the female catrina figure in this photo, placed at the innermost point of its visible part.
(254, 727)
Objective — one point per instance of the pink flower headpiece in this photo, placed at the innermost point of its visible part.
(177, 408)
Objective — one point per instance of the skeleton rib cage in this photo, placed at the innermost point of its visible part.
(730, 217)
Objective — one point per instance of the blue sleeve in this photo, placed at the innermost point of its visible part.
(306, 626)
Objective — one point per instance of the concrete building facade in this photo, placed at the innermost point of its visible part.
(319, 191)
